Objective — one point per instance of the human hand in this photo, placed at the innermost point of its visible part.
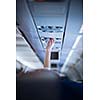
(50, 44)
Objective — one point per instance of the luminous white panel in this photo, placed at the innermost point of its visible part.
(77, 41)
(25, 54)
(71, 52)
(81, 29)
(67, 60)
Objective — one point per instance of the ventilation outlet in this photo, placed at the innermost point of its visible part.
(54, 55)
(53, 65)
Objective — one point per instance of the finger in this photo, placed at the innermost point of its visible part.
(52, 40)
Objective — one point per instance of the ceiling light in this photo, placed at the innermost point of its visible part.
(81, 29)
(71, 52)
(76, 41)
(67, 59)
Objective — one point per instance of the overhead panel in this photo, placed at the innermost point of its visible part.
(50, 18)
(47, 32)
(50, 21)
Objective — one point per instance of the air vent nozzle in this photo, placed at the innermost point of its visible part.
(54, 55)
(53, 65)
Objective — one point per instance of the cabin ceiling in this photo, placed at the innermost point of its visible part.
(63, 21)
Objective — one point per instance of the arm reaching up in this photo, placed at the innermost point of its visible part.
(48, 52)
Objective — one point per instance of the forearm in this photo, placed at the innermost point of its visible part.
(47, 58)
(48, 53)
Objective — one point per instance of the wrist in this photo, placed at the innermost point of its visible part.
(48, 50)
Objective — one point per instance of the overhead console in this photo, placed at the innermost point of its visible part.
(49, 19)
(54, 59)
(47, 32)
